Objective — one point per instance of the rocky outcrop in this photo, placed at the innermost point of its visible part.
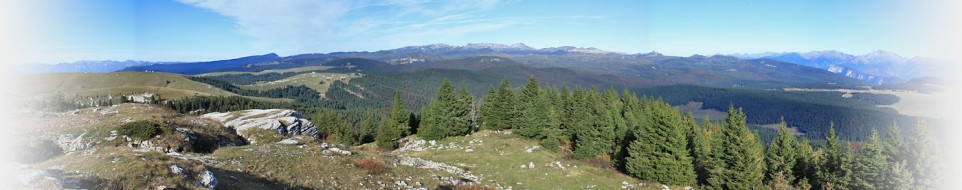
(207, 179)
(464, 177)
(69, 143)
(284, 121)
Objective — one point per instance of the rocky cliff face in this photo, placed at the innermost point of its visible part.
(283, 120)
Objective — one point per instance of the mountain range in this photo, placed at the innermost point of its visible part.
(876, 68)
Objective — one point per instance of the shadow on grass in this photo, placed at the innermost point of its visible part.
(238, 180)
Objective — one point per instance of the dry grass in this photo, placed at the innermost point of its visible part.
(472, 187)
(370, 165)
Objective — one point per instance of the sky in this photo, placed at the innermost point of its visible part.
(52, 31)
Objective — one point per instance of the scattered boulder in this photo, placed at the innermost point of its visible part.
(207, 179)
(177, 170)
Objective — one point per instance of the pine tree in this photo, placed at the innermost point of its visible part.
(367, 128)
(593, 135)
(834, 171)
(660, 152)
(782, 154)
(504, 112)
(388, 133)
(738, 155)
(805, 165)
(463, 114)
(399, 115)
(894, 145)
(898, 176)
(552, 134)
(534, 117)
(441, 113)
(488, 108)
(870, 165)
(925, 158)
(700, 139)
(569, 114)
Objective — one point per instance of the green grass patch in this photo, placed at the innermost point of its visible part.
(499, 157)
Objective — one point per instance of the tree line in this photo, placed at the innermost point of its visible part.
(648, 139)
(290, 91)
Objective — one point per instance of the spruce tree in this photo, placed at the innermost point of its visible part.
(898, 176)
(504, 108)
(894, 145)
(399, 115)
(593, 134)
(782, 154)
(700, 139)
(488, 108)
(533, 118)
(660, 152)
(834, 170)
(464, 120)
(441, 113)
(367, 129)
(870, 165)
(388, 133)
(805, 165)
(925, 158)
(738, 155)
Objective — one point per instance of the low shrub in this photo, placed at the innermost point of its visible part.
(141, 130)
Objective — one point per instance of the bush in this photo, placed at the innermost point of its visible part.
(141, 130)
(370, 165)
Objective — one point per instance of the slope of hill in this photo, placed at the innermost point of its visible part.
(113, 85)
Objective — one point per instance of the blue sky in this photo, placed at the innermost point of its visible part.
(196, 30)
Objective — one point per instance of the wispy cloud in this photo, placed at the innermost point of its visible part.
(300, 26)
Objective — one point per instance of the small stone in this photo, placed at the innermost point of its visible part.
(531, 165)
(665, 187)
(177, 170)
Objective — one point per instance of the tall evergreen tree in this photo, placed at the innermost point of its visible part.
(388, 133)
(464, 114)
(660, 152)
(805, 165)
(593, 135)
(367, 129)
(504, 111)
(834, 170)
(894, 145)
(738, 155)
(925, 158)
(898, 176)
(533, 107)
(488, 108)
(399, 115)
(441, 114)
(700, 139)
(870, 165)
(782, 154)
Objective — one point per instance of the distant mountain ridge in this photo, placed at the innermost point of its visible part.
(86, 66)
(204, 67)
(878, 67)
